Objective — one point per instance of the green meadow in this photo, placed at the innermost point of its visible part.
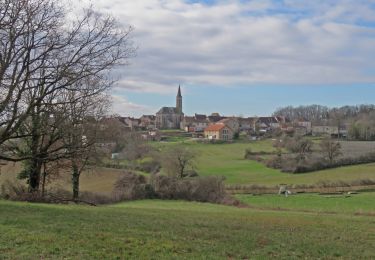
(224, 160)
(228, 160)
(153, 229)
(303, 226)
(361, 203)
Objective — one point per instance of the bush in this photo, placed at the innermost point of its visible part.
(96, 198)
(249, 155)
(203, 189)
(130, 186)
(295, 165)
(191, 173)
(14, 191)
(275, 162)
(149, 166)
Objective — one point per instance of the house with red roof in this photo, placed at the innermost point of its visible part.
(219, 131)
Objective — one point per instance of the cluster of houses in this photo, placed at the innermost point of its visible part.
(217, 127)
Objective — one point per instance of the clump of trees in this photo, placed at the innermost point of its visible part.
(54, 80)
(177, 180)
(300, 156)
(358, 120)
(132, 186)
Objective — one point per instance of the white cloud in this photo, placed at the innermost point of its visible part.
(122, 106)
(247, 42)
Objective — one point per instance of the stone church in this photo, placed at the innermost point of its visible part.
(171, 117)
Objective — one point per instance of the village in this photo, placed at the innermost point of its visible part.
(220, 127)
(187, 129)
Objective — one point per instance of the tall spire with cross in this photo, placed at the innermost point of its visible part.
(179, 100)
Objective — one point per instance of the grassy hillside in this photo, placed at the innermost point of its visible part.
(228, 160)
(171, 229)
(356, 203)
(225, 160)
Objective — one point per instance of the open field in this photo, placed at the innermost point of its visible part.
(227, 160)
(356, 148)
(363, 203)
(171, 229)
(98, 180)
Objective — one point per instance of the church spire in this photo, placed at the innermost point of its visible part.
(179, 91)
(179, 100)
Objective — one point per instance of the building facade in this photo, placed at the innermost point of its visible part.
(171, 117)
(219, 131)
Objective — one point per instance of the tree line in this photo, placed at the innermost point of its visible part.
(358, 120)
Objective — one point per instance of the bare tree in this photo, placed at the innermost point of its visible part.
(299, 145)
(177, 160)
(135, 147)
(83, 110)
(46, 62)
(43, 53)
(331, 149)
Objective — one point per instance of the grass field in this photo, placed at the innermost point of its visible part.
(227, 160)
(99, 180)
(363, 203)
(184, 230)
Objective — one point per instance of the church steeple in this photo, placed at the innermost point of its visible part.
(179, 100)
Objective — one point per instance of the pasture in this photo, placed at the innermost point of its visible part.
(227, 160)
(361, 203)
(155, 229)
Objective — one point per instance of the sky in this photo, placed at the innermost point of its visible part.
(248, 58)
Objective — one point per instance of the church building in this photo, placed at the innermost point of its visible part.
(170, 117)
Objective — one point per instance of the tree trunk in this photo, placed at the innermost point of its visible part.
(34, 176)
(75, 180)
(36, 165)
(44, 180)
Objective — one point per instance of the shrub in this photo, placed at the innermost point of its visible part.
(96, 198)
(204, 189)
(13, 190)
(130, 186)
(249, 155)
(149, 166)
(191, 173)
(164, 186)
(275, 162)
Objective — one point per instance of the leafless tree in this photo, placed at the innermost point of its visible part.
(331, 149)
(177, 160)
(299, 145)
(42, 52)
(84, 111)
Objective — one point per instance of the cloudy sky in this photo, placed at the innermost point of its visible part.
(241, 57)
